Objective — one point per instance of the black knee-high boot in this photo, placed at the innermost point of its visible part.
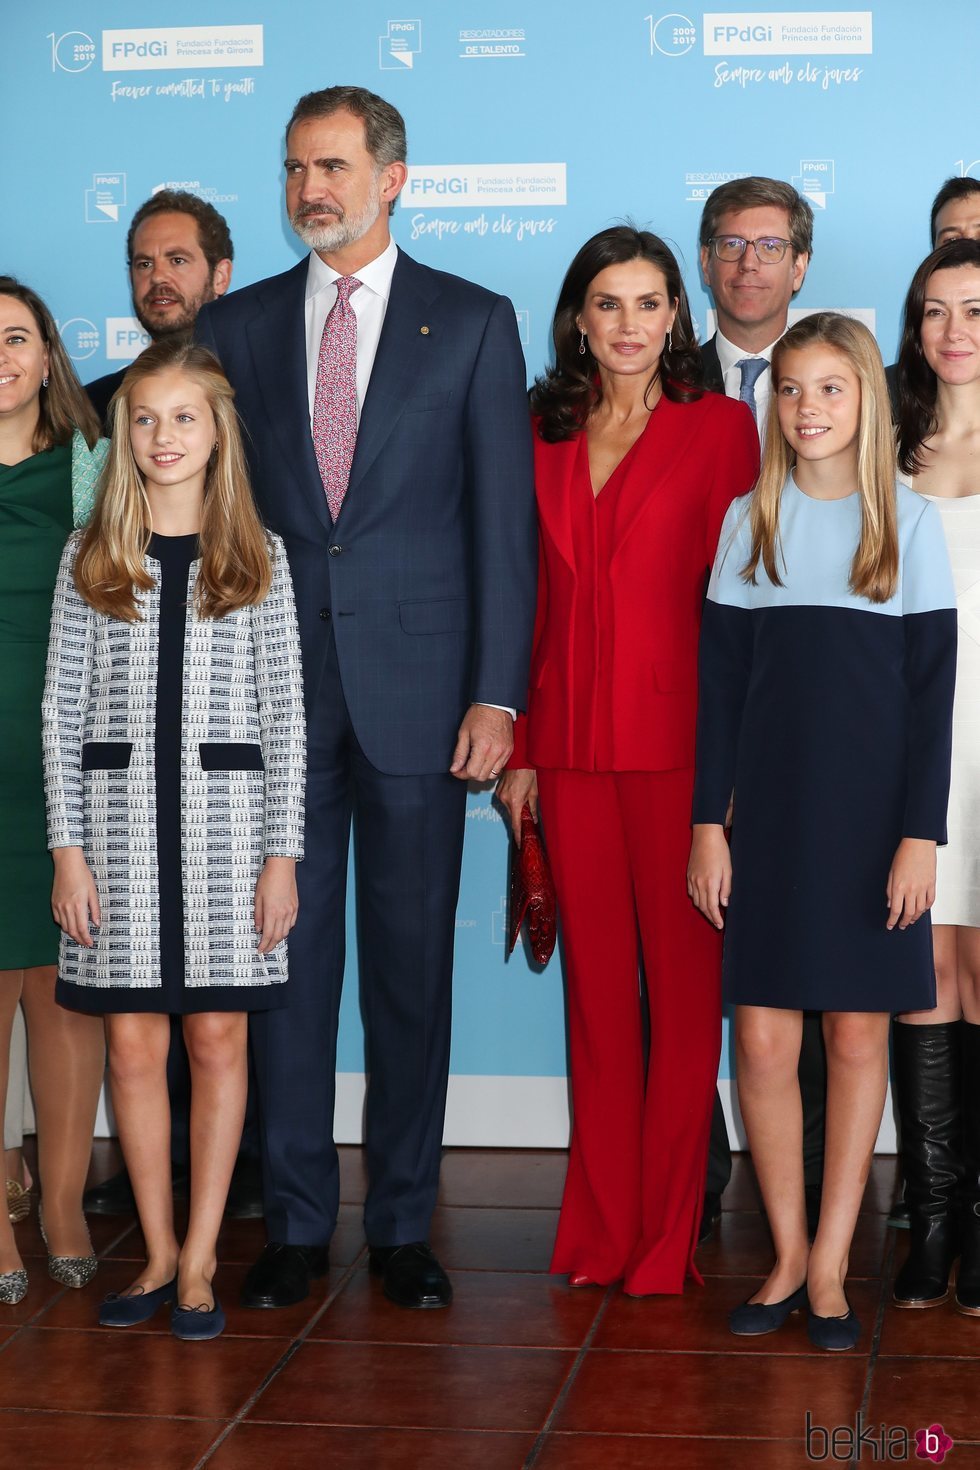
(968, 1276)
(927, 1081)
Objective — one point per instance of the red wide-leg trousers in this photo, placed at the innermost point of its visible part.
(619, 845)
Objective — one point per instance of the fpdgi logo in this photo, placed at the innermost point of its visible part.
(169, 48)
(124, 338)
(74, 51)
(400, 46)
(815, 179)
(105, 198)
(787, 32)
(461, 185)
(672, 35)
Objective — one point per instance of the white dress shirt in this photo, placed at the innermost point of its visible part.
(369, 304)
(729, 356)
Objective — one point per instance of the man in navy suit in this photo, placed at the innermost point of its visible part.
(387, 421)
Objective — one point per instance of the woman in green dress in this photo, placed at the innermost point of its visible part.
(48, 431)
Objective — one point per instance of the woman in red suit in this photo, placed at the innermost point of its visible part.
(635, 469)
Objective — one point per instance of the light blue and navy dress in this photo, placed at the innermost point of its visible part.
(830, 718)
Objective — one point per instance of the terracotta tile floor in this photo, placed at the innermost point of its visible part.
(520, 1372)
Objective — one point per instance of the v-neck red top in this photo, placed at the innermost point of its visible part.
(622, 576)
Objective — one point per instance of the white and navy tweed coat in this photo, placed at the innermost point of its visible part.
(243, 762)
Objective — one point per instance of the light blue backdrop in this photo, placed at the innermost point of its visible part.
(531, 125)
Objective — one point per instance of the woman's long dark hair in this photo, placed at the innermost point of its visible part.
(569, 390)
(917, 383)
(63, 405)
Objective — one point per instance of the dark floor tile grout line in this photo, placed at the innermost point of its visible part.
(886, 1274)
(54, 1412)
(281, 1362)
(570, 1378)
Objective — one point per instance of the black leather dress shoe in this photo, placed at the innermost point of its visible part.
(244, 1200)
(710, 1213)
(411, 1275)
(282, 1274)
(114, 1196)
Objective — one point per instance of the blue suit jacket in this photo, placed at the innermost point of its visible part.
(429, 575)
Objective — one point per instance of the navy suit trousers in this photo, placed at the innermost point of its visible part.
(408, 848)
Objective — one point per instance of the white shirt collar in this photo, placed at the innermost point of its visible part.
(729, 354)
(376, 275)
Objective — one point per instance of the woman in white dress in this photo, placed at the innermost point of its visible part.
(937, 1053)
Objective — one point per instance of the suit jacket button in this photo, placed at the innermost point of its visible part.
(334, 550)
(324, 613)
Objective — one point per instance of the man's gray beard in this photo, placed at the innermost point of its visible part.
(319, 235)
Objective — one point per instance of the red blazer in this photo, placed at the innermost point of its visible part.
(691, 461)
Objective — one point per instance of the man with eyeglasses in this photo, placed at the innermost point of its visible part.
(756, 241)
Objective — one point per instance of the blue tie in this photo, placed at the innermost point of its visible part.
(751, 369)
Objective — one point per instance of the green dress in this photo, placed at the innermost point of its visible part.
(35, 523)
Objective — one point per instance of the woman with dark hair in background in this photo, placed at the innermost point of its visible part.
(635, 470)
(48, 432)
(937, 1052)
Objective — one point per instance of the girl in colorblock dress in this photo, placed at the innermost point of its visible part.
(174, 755)
(828, 657)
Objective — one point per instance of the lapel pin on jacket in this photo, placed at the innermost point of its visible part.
(424, 331)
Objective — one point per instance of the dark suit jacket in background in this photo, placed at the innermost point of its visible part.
(101, 390)
(711, 367)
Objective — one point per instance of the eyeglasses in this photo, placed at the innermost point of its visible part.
(769, 249)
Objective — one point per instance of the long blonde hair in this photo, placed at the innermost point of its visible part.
(874, 570)
(235, 566)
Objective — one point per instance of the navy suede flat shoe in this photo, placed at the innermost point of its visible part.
(755, 1319)
(833, 1334)
(136, 1306)
(197, 1324)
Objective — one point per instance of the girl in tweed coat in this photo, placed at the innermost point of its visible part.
(174, 768)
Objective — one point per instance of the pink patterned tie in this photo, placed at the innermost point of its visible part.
(335, 398)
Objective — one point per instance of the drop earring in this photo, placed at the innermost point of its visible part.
(44, 381)
(667, 341)
(581, 344)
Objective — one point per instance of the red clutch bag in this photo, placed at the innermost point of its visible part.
(532, 892)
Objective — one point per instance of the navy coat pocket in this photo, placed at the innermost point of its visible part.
(231, 755)
(106, 755)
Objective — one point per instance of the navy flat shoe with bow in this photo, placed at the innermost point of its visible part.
(755, 1319)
